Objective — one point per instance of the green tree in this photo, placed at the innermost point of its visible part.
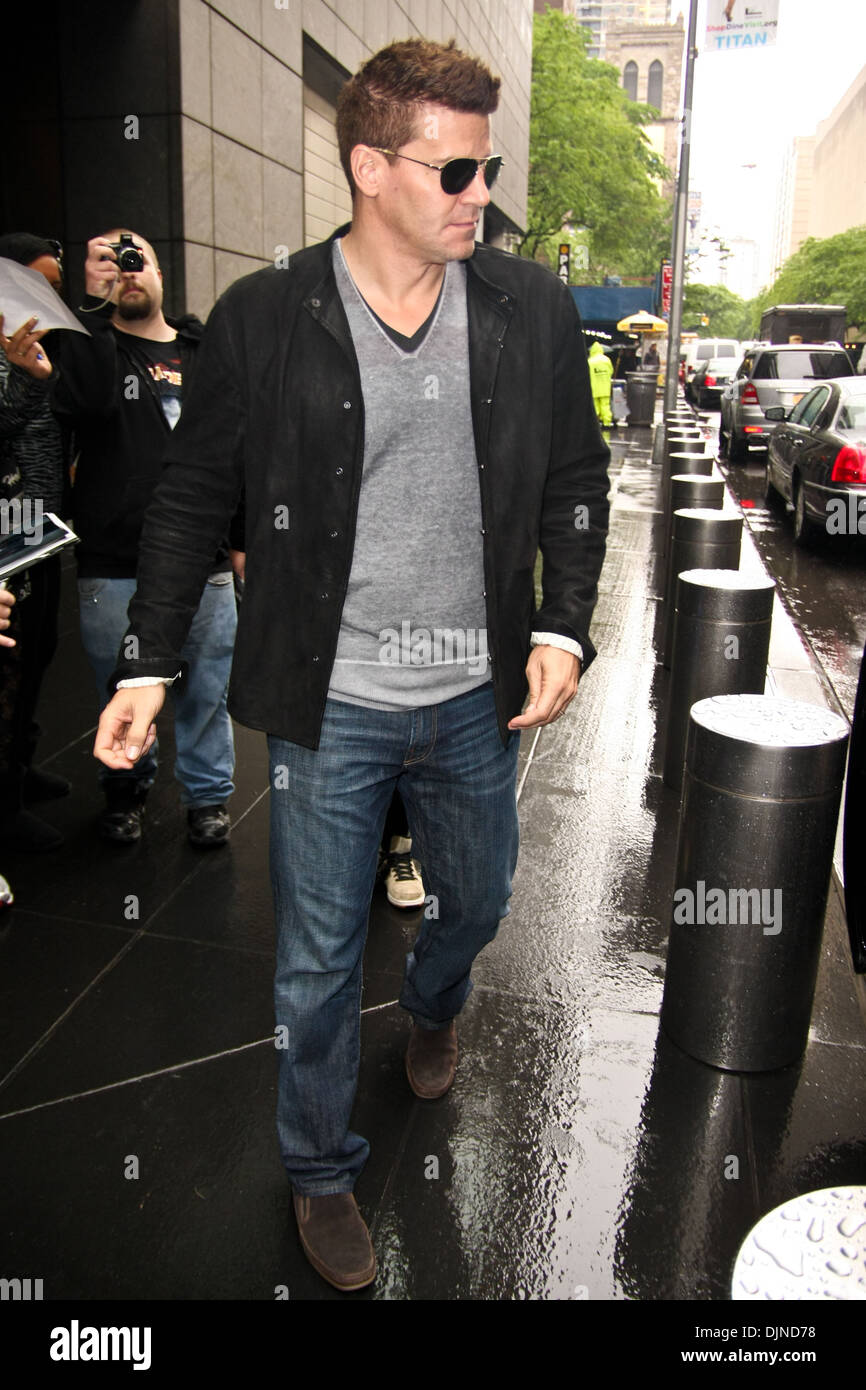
(590, 163)
(830, 270)
(729, 315)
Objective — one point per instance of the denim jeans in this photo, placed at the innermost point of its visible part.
(327, 812)
(203, 729)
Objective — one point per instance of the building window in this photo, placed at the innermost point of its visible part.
(654, 85)
(629, 80)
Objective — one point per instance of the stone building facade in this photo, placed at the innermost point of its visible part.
(649, 58)
(838, 194)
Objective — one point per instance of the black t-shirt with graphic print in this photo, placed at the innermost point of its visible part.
(163, 364)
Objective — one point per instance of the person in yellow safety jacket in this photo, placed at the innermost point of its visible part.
(600, 373)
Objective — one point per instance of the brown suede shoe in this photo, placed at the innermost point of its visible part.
(336, 1240)
(431, 1060)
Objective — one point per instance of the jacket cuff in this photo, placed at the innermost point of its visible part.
(157, 670)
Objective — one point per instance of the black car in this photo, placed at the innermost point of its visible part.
(816, 460)
(709, 380)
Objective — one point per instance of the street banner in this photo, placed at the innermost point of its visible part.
(667, 286)
(564, 257)
(741, 24)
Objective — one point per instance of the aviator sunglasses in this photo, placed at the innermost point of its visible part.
(457, 174)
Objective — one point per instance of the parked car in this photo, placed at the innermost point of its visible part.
(772, 376)
(710, 379)
(701, 350)
(816, 459)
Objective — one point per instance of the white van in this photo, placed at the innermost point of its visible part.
(701, 350)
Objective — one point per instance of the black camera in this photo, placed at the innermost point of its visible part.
(128, 255)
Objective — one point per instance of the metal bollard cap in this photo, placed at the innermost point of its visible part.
(767, 747)
(691, 463)
(721, 596)
(699, 524)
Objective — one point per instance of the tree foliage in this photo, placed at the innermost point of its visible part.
(590, 163)
(729, 315)
(831, 270)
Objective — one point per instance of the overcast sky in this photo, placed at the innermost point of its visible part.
(749, 104)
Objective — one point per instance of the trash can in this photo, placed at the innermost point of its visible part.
(761, 790)
(640, 392)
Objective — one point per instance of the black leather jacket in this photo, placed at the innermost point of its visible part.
(276, 408)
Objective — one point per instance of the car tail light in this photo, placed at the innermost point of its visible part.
(850, 466)
(750, 395)
(709, 380)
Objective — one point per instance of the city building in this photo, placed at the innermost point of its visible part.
(793, 201)
(838, 181)
(649, 58)
(599, 16)
(209, 127)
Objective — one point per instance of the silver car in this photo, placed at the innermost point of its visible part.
(778, 375)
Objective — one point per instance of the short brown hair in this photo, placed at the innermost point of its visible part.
(379, 105)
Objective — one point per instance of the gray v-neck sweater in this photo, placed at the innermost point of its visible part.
(414, 624)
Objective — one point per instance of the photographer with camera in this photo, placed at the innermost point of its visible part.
(122, 389)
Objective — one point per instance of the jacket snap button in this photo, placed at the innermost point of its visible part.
(316, 303)
(347, 405)
(339, 472)
(315, 658)
(334, 535)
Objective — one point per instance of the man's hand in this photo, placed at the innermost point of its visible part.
(101, 271)
(126, 727)
(6, 601)
(23, 349)
(238, 561)
(553, 675)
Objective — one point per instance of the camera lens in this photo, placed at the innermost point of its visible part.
(130, 259)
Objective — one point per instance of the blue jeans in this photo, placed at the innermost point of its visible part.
(328, 807)
(203, 728)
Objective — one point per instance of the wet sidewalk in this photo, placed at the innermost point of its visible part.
(579, 1154)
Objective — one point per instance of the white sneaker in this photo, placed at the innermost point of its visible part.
(403, 883)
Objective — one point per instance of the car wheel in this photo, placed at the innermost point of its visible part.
(805, 530)
(773, 498)
(724, 439)
(736, 447)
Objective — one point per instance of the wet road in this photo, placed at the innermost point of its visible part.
(823, 589)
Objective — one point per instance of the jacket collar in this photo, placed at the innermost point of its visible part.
(324, 301)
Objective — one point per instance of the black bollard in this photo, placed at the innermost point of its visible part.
(692, 490)
(721, 644)
(701, 539)
(680, 464)
(763, 780)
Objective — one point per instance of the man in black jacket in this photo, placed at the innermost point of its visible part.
(121, 389)
(411, 417)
